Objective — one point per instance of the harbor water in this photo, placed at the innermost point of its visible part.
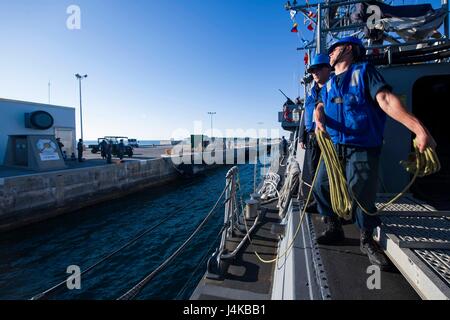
(35, 258)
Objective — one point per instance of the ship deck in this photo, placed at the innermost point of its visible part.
(247, 278)
(415, 237)
(346, 269)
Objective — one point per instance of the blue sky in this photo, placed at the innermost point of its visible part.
(153, 65)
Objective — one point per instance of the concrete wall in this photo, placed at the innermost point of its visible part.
(12, 120)
(33, 198)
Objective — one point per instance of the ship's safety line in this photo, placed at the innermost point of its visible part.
(133, 292)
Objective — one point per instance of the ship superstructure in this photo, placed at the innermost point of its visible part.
(280, 258)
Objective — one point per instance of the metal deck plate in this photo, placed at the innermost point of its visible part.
(419, 244)
(438, 260)
(347, 270)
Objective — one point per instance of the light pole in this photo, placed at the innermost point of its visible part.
(258, 149)
(79, 77)
(212, 115)
(260, 140)
(49, 85)
(260, 127)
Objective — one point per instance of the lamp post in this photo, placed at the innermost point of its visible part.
(79, 77)
(212, 115)
(260, 127)
(258, 154)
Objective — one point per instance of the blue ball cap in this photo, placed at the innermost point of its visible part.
(348, 40)
(319, 60)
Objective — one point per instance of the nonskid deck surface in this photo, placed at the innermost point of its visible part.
(347, 271)
(415, 237)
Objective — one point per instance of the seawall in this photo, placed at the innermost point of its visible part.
(32, 198)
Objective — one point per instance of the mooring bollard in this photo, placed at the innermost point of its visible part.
(251, 209)
(256, 197)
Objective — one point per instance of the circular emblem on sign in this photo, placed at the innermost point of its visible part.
(46, 146)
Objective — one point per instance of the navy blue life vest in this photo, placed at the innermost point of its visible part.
(352, 117)
(310, 106)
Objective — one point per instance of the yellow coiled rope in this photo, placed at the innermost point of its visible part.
(340, 198)
(419, 164)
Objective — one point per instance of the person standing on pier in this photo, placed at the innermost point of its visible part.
(80, 149)
(61, 146)
(108, 151)
(103, 146)
(320, 69)
(121, 149)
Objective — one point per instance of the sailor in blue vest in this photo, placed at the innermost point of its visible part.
(352, 110)
(320, 69)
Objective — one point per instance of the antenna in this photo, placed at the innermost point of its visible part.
(289, 100)
(284, 94)
(446, 20)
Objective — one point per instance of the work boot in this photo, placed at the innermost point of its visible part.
(370, 247)
(333, 232)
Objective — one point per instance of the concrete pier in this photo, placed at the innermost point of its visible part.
(36, 197)
(27, 197)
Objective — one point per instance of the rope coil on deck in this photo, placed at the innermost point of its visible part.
(290, 186)
(269, 189)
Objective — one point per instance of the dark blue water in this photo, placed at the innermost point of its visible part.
(35, 258)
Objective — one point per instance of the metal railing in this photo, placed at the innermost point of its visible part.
(234, 221)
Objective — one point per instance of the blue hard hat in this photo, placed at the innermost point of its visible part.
(319, 60)
(349, 40)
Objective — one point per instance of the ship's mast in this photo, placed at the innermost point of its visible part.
(321, 37)
(333, 22)
(446, 20)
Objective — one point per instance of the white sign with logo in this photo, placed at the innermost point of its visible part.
(48, 150)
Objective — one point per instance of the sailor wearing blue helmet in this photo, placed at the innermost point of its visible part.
(320, 69)
(352, 110)
(358, 49)
(319, 61)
